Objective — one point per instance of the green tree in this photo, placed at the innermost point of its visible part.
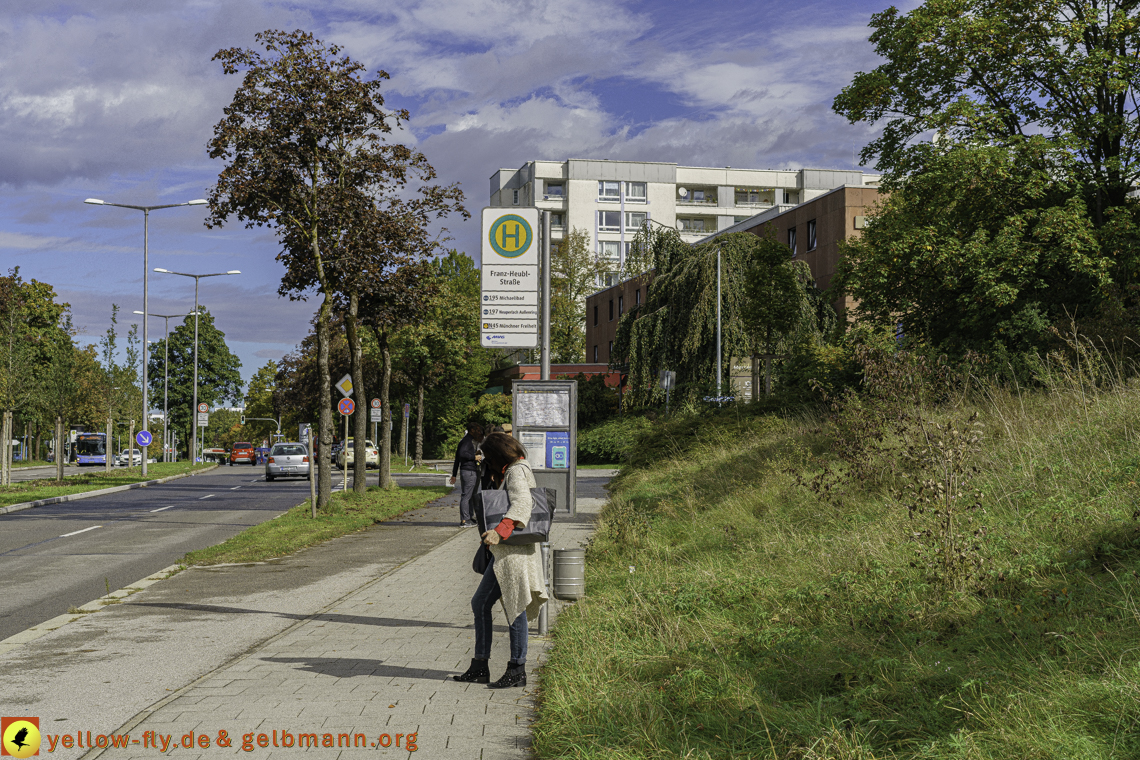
(262, 400)
(219, 376)
(1061, 73)
(574, 272)
(303, 141)
(771, 305)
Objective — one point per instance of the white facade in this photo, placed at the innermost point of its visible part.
(610, 200)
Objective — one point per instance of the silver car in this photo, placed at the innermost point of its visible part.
(287, 460)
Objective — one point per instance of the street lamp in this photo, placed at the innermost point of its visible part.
(194, 412)
(146, 301)
(166, 382)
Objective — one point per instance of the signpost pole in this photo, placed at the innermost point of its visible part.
(545, 295)
(344, 453)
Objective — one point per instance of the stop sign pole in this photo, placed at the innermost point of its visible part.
(346, 407)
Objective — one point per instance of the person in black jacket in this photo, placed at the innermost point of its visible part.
(466, 466)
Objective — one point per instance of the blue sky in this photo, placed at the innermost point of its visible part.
(116, 99)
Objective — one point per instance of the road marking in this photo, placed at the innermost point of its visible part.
(207, 496)
(76, 533)
(162, 508)
(235, 488)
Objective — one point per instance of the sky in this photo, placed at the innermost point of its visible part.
(116, 99)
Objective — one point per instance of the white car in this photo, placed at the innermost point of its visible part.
(130, 457)
(371, 455)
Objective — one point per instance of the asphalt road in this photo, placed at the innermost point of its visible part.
(64, 555)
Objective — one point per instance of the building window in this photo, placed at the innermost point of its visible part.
(610, 351)
(790, 197)
(611, 251)
(554, 190)
(611, 310)
(611, 279)
(516, 197)
(595, 354)
(595, 315)
(636, 298)
(635, 220)
(751, 196)
(609, 191)
(691, 225)
(621, 305)
(792, 239)
(811, 235)
(739, 219)
(635, 192)
(609, 220)
(556, 220)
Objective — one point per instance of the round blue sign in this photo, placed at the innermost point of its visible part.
(143, 438)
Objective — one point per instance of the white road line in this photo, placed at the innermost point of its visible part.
(76, 533)
(162, 508)
(207, 496)
(235, 488)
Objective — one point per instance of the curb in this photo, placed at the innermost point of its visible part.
(99, 492)
(36, 631)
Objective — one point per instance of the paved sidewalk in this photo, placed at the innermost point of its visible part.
(364, 675)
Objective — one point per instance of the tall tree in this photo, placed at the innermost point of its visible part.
(771, 303)
(303, 142)
(219, 378)
(574, 272)
(263, 400)
(1007, 72)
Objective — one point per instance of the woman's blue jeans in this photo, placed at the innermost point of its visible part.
(482, 604)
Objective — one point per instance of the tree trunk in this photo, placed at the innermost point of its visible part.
(359, 423)
(58, 449)
(39, 438)
(324, 399)
(420, 425)
(755, 378)
(385, 442)
(403, 442)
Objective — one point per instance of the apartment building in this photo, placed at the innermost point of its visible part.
(611, 200)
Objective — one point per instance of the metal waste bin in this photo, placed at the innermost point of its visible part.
(569, 573)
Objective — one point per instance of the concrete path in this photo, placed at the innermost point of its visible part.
(361, 657)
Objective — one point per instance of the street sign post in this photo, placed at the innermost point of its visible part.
(508, 309)
(203, 415)
(346, 406)
(143, 438)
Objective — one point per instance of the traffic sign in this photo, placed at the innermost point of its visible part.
(344, 385)
(143, 438)
(510, 278)
(407, 410)
(375, 403)
(346, 406)
(203, 408)
(203, 420)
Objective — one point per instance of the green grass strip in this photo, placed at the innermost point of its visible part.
(90, 480)
(296, 528)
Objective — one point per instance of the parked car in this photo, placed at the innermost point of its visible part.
(287, 460)
(243, 452)
(371, 455)
(129, 458)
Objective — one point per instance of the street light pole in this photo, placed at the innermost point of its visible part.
(146, 302)
(194, 411)
(166, 381)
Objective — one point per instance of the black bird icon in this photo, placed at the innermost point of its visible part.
(18, 739)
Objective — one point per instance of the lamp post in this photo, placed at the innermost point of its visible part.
(194, 411)
(146, 302)
(166, 382)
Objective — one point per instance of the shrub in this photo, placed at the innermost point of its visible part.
(612, 441)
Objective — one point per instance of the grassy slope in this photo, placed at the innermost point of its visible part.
(91, 479)
(732, 613)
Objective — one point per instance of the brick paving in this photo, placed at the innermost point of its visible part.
(372, 669)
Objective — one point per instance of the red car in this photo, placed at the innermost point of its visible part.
(243, 452)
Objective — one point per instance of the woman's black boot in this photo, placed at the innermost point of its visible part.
(515, 676)
(477, 673)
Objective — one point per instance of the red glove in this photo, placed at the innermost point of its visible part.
(505, 528)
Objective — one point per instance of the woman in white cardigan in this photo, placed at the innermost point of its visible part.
(514, 574)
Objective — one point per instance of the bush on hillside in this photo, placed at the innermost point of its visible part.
(612, 441)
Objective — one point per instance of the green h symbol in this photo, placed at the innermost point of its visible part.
(515, 235)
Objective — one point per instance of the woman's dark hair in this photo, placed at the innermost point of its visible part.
(500, 450)
(475, 429)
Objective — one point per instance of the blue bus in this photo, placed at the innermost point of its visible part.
(90, 448)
